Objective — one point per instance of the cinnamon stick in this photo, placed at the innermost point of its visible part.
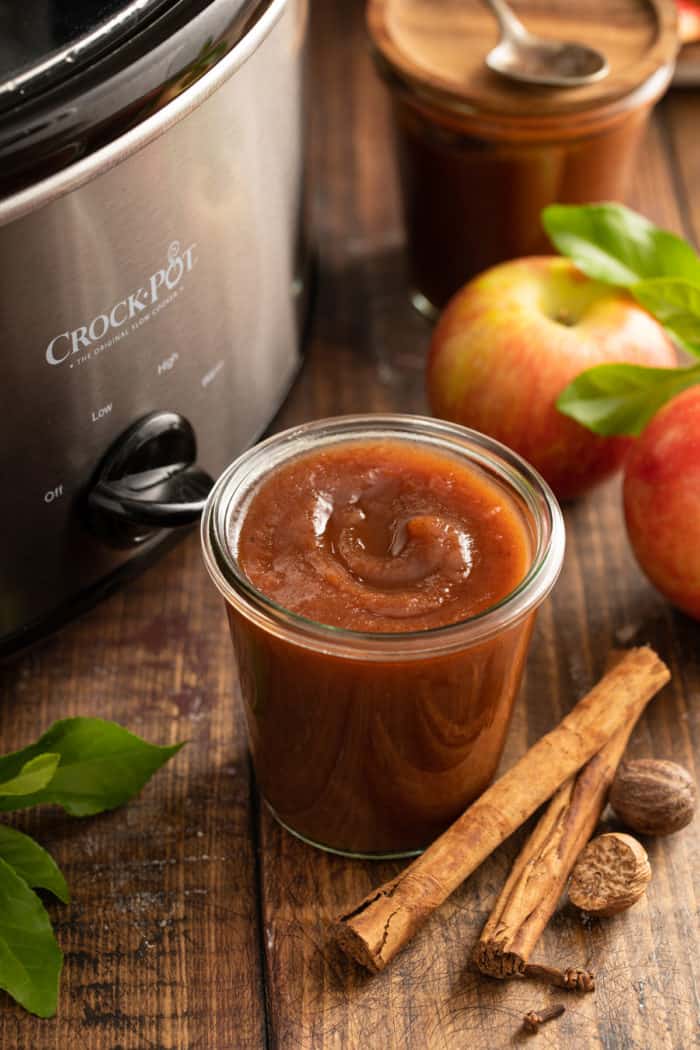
(374, 931)
(534, 886)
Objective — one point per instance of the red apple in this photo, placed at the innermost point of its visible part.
(662, 500)
(512, 339)
(688, 21)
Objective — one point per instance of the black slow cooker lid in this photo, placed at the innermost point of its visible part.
(75, 74)
(45, 41)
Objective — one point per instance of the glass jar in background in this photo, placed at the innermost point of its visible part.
(479, 155)
(371, 744)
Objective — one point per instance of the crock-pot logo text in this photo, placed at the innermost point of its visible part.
(157, 291)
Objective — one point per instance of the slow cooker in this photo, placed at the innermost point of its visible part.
(152, 275)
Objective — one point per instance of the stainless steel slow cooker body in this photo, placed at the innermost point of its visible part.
(161, 273)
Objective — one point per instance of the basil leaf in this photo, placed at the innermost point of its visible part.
(611, 243)
(621, 399)
(32, 863)
(102, 766)
(676, 304)
(33, 776)
(30, 959)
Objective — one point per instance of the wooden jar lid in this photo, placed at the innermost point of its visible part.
(438, 48)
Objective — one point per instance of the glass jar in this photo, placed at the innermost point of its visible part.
(371, 744)
(480, 156)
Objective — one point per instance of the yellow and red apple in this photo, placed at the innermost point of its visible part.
(509, 342)
(662, 500)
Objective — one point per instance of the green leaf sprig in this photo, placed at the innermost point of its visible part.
(85, 765)
(613, 244)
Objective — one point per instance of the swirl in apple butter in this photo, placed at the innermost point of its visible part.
(382, 537)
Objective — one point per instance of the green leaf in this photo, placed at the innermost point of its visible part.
(33, 776)
(621, 399)
(102, 765)
(611, 243)
(32, 862)
(674, 302)
(30, 959)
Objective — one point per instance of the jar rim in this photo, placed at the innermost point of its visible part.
(441, 108)
(241, 478)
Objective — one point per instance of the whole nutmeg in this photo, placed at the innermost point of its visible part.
(653, 796)
(611, 874)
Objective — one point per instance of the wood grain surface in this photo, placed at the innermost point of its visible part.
(196, 922)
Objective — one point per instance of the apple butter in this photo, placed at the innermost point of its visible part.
(480, 155)
(383, 536)
(381, 575)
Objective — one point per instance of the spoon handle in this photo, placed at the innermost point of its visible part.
(511, 26)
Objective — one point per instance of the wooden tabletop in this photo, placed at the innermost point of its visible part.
(196, 922)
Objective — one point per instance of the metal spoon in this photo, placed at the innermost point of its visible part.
(522, 56)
